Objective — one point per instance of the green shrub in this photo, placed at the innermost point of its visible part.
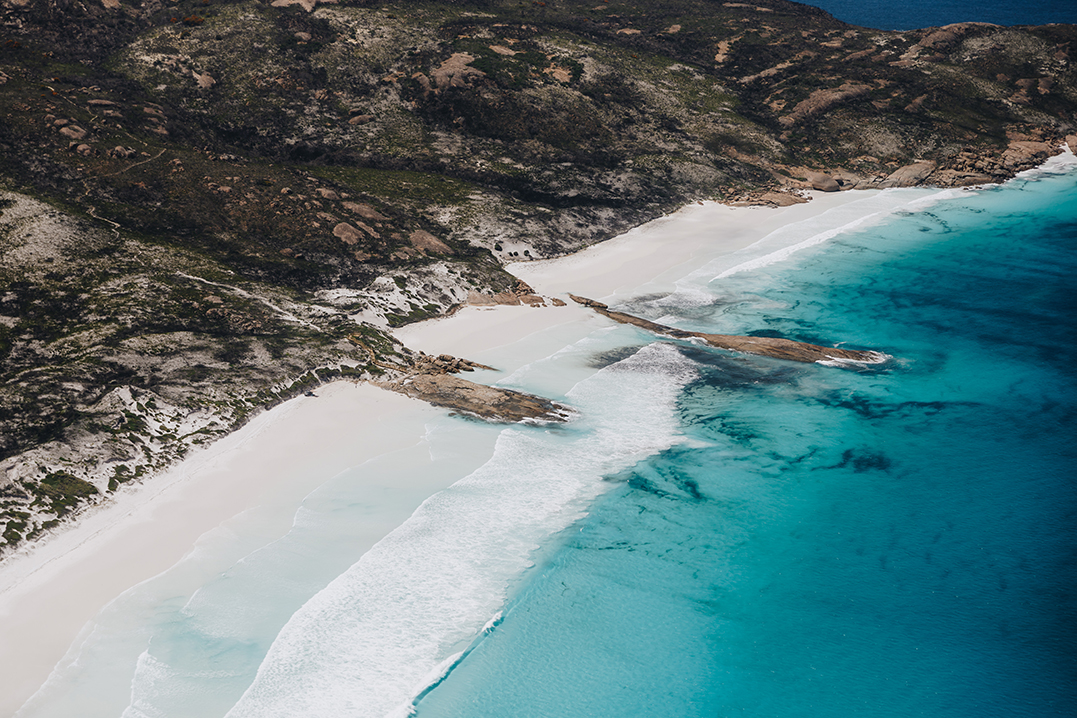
(60, 491)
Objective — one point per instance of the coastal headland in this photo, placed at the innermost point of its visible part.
(203, 206)
(210, 209)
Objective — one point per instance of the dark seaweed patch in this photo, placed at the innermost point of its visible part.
(874, 409)
(639, 483)
(862, 461)
(798, 459)
(661, 477)
(720, 369)
(668, 471)
(612, 356)
(690, 486)
(705, 421)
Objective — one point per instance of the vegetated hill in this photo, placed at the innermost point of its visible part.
(202, 198)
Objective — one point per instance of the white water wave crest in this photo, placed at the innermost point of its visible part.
(1062, 163)
(371, 640)
(872, 358)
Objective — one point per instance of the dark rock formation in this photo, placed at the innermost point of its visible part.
(485, 402)
(764, 346)
(430, 379)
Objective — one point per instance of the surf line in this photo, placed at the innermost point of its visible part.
(763, 346)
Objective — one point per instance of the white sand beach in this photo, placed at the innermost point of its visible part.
(653, 256)
(51, 592)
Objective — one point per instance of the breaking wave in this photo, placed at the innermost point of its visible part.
(373, 638)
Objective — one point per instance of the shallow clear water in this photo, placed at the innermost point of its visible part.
(893, 540)
(716, 534)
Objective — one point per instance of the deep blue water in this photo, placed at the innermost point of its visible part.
(913, 14)
(891, 540)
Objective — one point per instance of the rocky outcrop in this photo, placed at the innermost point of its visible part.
(307, 5)
(364, 210)
(764, 346)
(909, 175)
(73, 132)
(1023, 152)
(456, 71)
(522, 293)
(425, 242)
(485, 402)
(204, 79)
(347, 233)
(942, 39)
(430, 379)
(823, 182)
(444, 364)
(1026, 153)
(822, 100)
(769, 199)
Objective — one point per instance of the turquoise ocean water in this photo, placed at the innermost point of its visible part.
(892, 540)
(714, 535)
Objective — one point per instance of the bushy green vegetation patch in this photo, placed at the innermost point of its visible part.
(422, 188)
(415, 314)
(14, 527)
(60, 491)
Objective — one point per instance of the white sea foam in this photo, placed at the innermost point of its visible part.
(875, 358)
(157, 676)
(686, 297)
(373, 638)
(1059, 164)
(441, 671)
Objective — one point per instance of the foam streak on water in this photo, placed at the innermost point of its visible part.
(368, 642)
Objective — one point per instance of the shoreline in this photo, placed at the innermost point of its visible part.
(54, 589)
(647, 256)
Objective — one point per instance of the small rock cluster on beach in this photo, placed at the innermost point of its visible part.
(484, 402)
